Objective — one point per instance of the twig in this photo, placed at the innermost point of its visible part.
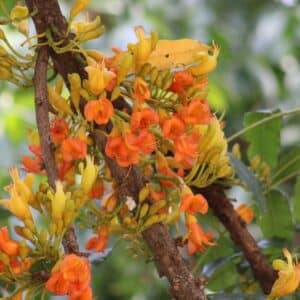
(41, 112)
(46, 16)
(224, 211)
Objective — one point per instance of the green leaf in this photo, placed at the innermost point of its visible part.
(224, 277)
(288, 166)
(251, 181)
(296, 201)
(277, 222)
(265, 139)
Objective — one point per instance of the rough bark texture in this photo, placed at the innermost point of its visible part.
(224, 211)
(45, 17)
(168, 259)
(169, 262)
(42, 114)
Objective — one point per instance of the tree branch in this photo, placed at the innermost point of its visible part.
(46, 16)
(168, 260)
(224, 211)
(42, 114)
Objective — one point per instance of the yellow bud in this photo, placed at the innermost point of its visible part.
(58, 202)
(89, 175)
(144, 193)
(75, 86)
(155, 219)
(59, 102)
(69, 211)
(91, 35)
(29, 224)
(236, 150)
(28, 234)
(59, 84)
(24, 249)
(157, 206)
(96, 55)
(19, 12)
(52, 228)
(255, 162)
(144, 210)
(115, 93)
(78, 7)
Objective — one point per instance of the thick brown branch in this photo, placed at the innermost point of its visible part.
(223, 209)
(42, 119)
(41, 112)
(166, 255)
(48, 17)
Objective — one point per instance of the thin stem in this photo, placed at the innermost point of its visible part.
(284, 167)
(280, 181)
(260, 122)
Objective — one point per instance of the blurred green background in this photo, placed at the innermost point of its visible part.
(258, 69)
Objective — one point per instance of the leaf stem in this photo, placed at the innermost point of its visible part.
(260, 122)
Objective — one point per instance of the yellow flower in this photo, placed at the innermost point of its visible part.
(288, 277)
(89, 174)
(98, 77)
(23, 187)
(58, 201)
(17, 205)
(207, 63)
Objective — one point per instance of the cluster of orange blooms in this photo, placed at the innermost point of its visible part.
(12, 256)
(161, 128)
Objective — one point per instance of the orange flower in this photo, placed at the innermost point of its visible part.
(97, 189)
(59, 130)
(197, 238)
(173, 127)
(118, 149)
(33, 164)
(86, 295)
(140, 141)
(8, 246)
(181, 80)
(71, 277)
(73, 148)
(99, 110)
(143, 119)
(193, 204)
(98, 243)
(141, 91)
(197, 112)
(186, 149)
(246, 213)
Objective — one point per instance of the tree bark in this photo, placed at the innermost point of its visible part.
(225, 212)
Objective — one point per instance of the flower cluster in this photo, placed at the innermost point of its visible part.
(149, 105)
